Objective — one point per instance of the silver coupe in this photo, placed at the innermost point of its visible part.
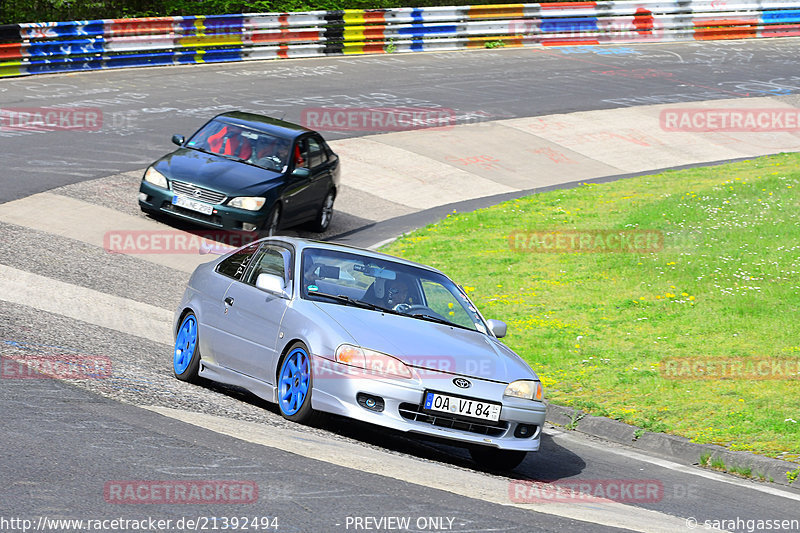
(315, 326)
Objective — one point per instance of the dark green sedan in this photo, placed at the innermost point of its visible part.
(245, 172)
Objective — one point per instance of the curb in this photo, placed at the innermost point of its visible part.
(378, 233)
(678, 449)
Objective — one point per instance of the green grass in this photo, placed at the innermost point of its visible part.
(598, 327)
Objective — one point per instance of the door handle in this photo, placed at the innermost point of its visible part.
(228, 301)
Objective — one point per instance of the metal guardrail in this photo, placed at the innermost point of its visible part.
(44, 47)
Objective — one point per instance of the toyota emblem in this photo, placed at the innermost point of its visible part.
(462, 383)
(198, 192)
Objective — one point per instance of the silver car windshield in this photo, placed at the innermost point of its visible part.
(344, 278)
(237, 142)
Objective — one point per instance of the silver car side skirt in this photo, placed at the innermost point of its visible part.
(220, 374)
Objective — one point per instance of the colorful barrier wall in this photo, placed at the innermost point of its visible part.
(117, 43)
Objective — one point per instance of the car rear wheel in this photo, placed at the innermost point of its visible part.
(295, 385)
(186, 360)
(495, 459)
(272, 223)
(325, 213)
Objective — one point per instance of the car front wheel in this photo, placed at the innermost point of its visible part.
(325, 213)
(495, 459)
(272, 223)
(295, 385)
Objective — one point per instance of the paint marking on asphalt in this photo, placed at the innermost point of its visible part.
(87, 305)
(381, 243)
(664, 463)
(95, 224)
(433, 475)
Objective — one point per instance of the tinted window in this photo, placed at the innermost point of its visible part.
(239, 142)
(409, 290)
(316, 154)
(301, 156)
(271, 259)
(236, 265)
(446, 303)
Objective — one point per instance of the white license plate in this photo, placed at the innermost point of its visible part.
(194, 205)
(462, 406)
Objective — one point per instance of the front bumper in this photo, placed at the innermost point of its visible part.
(158, 200)
(337, 387)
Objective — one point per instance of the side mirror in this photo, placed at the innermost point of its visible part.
(498, 327)
(301, 172)
(178, 139)
(271, 283)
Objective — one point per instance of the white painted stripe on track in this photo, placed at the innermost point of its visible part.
(432, 475)
(90, 223)
(88, 305)
(670, 465)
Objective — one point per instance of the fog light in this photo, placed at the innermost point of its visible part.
(524, 431)
(142, 197)
(246, 226)
(373, 403)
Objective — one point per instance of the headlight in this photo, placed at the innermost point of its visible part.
(156, 178)
(251, 203)
(372, 361)
(530, 390)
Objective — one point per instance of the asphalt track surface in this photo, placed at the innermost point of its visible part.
(142, 108)
(63, 442)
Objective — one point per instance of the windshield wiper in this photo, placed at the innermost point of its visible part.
(433, 319)
(351, 301)
(444, 321)
(231, 157)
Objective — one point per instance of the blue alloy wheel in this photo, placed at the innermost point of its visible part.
(294, 385)
(187, 357)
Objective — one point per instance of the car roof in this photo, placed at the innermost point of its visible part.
(263, 123)
(301, 244)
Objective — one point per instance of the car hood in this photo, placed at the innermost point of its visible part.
(428, 345)
(232, 178)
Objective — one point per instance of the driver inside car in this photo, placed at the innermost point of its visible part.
(270, 152)
(397, 293)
